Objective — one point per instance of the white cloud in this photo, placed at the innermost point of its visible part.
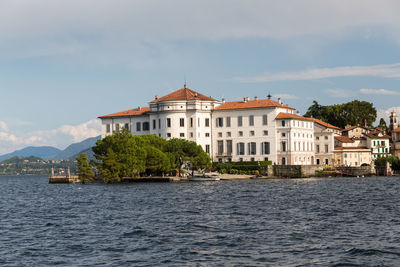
(385, 113)
(384, 70)
(286, 96)
(60, 137)
(82, 131)
(74, 27)
(3, 126)
(379, 91)
(339, 93)
(180, 19)
(6, 137)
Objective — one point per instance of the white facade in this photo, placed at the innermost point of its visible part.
(248, 130)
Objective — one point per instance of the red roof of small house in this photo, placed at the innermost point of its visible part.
(325, 124)
(344, 139)
(351, 148)
(262, 103)
(127, 113)
(353, 127)
(373, 136)
(397, 130)
(283, 115)
(183, 94)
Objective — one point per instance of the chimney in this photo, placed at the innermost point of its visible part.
(256, 98)
(195, 94)
(223, 100)
(279, 100)
(245, 99)
(365, 123)
(156, 97)
(298, 112)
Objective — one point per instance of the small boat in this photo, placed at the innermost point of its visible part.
(204, 178)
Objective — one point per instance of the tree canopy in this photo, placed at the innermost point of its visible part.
(351, 113)
(382, 124)
(85, 172)
(125, 155)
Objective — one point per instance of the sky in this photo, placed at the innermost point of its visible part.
(64, 63)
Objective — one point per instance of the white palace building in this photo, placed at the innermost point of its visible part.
(247, 130)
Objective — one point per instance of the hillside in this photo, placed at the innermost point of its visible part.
(44, 152)
(20, 159)
(76, 148)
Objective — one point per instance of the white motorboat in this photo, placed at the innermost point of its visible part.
(204, 178)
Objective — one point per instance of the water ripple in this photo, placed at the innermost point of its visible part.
(301, 222)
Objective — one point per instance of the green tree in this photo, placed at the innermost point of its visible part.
(351, 113)
(110, 168)
(183, 151)
(122, 154)
(84, 169)
(157, 162)
(316, 111)
(201, 161)
(382, 124)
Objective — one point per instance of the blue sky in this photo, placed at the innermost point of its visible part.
(64, 63)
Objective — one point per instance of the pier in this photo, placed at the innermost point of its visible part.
(63, 179)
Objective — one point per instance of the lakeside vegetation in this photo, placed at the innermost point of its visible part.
(243, 167)
(392, 160)
(123, 155)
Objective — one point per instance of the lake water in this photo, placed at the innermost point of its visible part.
(302, 222)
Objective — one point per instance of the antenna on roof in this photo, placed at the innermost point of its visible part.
(184, 77)
(269, 96)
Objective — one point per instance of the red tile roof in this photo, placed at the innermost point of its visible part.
(351, 148)
(283, 115)
(262, 103)
(343, 139)
(325, 124)
(184, 94)
(126, 113)
(372, 136)
(397, 130)
(353, 127)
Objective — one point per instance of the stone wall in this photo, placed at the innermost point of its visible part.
(355, 171)
(296, 171)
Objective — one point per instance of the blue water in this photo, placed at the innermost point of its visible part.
(303, 222)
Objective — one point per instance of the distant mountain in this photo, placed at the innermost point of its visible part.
(88, 151)
(76, 148)
(44, 152)
(49, 152)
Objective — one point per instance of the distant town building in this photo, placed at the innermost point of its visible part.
(379, 143)
(393, 121)
(354, 131)
(352, 151)
(324, 141)
(396, 142)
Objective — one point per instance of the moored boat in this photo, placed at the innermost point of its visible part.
(204, 178)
